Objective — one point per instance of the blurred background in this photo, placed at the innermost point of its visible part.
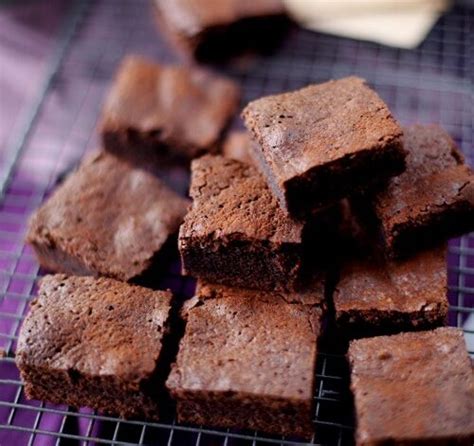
(57, 60)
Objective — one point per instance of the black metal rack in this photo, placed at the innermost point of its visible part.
(433, 83)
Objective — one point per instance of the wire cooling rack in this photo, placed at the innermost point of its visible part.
(432, 84)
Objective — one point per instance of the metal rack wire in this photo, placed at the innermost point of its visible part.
(433, 83)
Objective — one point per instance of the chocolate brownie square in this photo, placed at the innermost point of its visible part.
(432, 200)
(413, 388)
(377, 296)
(158, 113)
(210, 30)
(247, 359)
(324, 142)
(235, 233)
(107, 218)
(96, 343)
(238, 146)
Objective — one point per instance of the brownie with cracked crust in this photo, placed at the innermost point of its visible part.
(107, 218)
(235, 233)
(209, 30)
(238, 146)
(97, 343)
(324, 142)
(377, 296)
(432, 200)
(413, 388)
(247, 359)
(159, 113)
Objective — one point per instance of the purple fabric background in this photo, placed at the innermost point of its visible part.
(430, 84)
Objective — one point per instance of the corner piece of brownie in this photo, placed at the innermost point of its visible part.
(413, 388)
(235, 233)
(95, 343)
(375, 296)
(432, 200)
(157, 113)
(107, 218)
(247, 359)
(209, 30)
(324, 142)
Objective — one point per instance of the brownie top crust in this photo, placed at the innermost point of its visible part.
(413, 386)
(185, 107)
(431, 154)
(429, 150)
(416, 284)
(191, 17)
(231, 198)
(248, 342)
(94, 326)
(319, 124)
(114, 218)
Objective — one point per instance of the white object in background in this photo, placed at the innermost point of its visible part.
(398, 23)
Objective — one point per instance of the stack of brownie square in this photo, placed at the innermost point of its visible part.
(326, 155)
(325, 214)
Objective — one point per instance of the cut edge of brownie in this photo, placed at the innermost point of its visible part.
(255, 257)
(355, 324)
(333, 178)
(199, 408)
(53, 259)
